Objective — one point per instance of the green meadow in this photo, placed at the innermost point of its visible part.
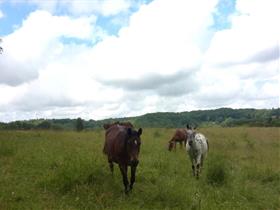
(67, 170)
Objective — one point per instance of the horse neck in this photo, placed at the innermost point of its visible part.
(125, 150)
(189, 131)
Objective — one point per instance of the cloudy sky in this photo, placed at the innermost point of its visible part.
(97, 59)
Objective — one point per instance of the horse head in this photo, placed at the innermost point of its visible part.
(133, 143)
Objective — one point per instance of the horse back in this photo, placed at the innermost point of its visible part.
(204, 141)
(115, 141)
(180, 134)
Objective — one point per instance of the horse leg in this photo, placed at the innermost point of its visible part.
(132, 178)
(198, 161)
(197, 170)
(111, 165)
(201, 163)
(193, 166)
(193, 169)
(123, 169)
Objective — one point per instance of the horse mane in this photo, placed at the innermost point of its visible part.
(125, 124)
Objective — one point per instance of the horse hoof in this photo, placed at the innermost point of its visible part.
(126, 191)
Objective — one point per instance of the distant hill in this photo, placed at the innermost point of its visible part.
(225, 117)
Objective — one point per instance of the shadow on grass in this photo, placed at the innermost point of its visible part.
(217, 173)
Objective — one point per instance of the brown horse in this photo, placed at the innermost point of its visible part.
(122, 146)
(180, 136)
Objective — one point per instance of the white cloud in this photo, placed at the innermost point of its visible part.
(105, 8)
(238, 86)
(1, 14)
(114, 7)
(241, 66)
(254, 29)
(38, 42)
(157, 62)
(158, 39)
(83, 7)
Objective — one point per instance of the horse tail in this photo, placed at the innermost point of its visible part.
(207, 144)
(105, 149)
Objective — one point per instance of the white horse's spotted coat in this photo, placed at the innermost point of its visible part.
(197, 148)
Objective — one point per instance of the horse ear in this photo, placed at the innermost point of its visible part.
(106, 126)
(139, 131)
(188, 127)
(129, 131)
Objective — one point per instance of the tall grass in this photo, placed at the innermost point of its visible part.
(67, 170)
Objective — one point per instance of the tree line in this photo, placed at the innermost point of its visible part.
(224, 117)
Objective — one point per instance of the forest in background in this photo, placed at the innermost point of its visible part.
(224, 117)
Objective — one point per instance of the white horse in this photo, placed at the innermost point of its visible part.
(197, 147)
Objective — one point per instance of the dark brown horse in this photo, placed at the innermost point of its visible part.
(122, 146)
(180, 136)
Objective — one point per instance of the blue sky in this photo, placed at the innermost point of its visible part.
(114, 58)
(225, 8)
(15, 13)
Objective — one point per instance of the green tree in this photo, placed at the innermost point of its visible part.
(44, 125)
(228, 122)
(79, 124)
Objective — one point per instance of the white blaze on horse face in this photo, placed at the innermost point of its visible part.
(135, 142)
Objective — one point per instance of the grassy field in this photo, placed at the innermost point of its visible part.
(67, 170)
